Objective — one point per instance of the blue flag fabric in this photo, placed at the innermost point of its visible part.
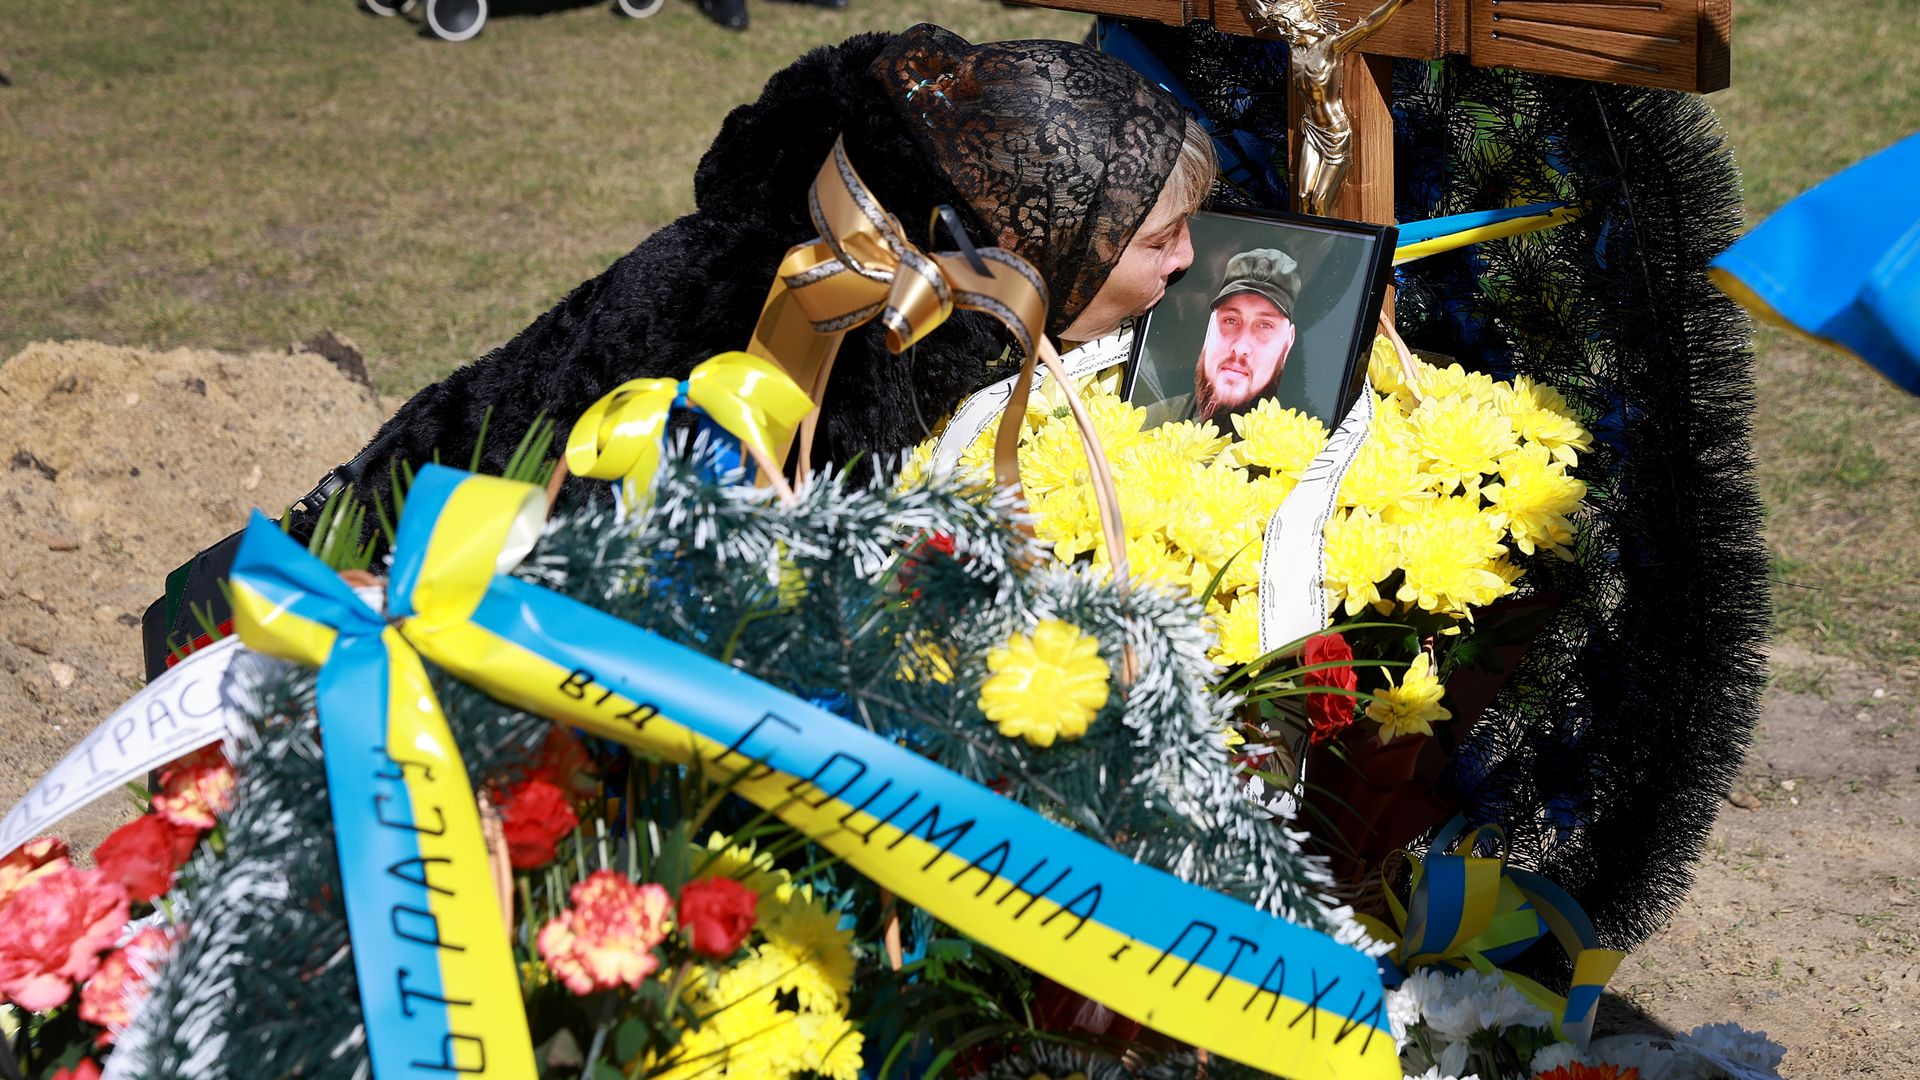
(1841, 264)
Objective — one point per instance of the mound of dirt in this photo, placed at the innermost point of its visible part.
(117, 465)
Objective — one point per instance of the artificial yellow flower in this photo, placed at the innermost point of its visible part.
(1361, 552)
(1237, 633)
(1046, 686)
(1282, 441)
(927, 657)
(1412, 706)
(1535, 496)
(1461, 438)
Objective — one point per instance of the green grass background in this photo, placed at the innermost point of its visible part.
(243, 173)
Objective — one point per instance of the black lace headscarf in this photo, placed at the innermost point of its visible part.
(1047, 148)
(1061, 151)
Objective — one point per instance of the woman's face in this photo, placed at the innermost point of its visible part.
(1160, 248)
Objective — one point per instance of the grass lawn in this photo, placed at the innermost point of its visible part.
(243, 173)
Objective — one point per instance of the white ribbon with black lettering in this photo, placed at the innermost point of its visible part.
(197, 703)
(983, 408)
(1293, 564)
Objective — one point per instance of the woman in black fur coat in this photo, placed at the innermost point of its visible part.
(1054, 151)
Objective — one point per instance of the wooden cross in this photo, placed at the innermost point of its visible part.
(1672, 44)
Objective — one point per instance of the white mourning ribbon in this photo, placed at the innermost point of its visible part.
(983, 407)
(200, 701)
(1293, 564)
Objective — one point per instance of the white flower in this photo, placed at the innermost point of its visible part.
(1734, 1043)
(1453, 1058)
(1653, 1060)
(1435, 1074)
(1407, 1003)
(1556, 1056)
(1471, 1002)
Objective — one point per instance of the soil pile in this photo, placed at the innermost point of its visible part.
(117, 465)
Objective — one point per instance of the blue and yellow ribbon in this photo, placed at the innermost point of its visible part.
(438, 986)
(620, 437)
(1201, 967)
(1475, 911)
(1419, 239)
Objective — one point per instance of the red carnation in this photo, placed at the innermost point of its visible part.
(143, 854)
(536, 815)
(85, 1070)
(1330, 714)
(54, 933)
(719, 914)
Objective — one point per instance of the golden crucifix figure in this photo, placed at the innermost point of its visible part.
(1316, 48)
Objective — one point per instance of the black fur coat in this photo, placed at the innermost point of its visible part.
(695, 288)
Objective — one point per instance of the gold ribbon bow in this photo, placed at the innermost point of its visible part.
(862, 267)
(619, 437)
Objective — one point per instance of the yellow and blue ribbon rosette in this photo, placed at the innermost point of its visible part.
(1201, 967)
(1469, 910)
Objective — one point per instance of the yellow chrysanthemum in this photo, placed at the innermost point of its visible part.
(1385, 478)
(1383, 366)
(807, 952)
(1535, 496)
(1282, 441)
(1266, 493)
(1054, 459)
(1412, 706)
(827, 1044)
(1120, 424)
(1152, 479)
(1046, 686)
(1151, 563)
(1454, 381)
(1068, 519)
(1361, 552)
(1237, 630)
(1194, 441)
(1461, 439)
(1215, 520)
(744, 862)
(1447, 555)
(1541, 415)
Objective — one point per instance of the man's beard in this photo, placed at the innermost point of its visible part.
(1208, 407)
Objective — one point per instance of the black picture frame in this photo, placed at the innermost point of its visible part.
(1344, 268)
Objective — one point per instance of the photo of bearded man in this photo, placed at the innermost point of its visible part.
(1249, 334)
(1276, 308)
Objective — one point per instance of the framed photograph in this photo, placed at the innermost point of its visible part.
(1274, 306)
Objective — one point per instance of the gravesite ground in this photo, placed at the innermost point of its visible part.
(203, 182)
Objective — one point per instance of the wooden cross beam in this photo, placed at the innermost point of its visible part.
(1671, 44)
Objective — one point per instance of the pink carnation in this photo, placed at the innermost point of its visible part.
(115, 991)
(196, 789)
(606, 938)
(53, 934)
(29, 863)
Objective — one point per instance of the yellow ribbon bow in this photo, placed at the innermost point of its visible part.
(862, 267)
(1475, 911)
(619, 437)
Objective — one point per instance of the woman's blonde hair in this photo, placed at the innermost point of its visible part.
(1191, 180)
